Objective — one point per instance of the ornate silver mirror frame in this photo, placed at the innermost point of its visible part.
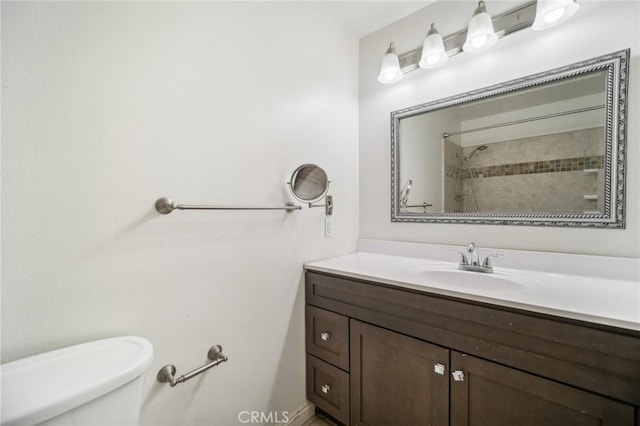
(615, 68)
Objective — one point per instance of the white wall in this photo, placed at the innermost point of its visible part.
(598, 28)
(107, 107)
(422, 164)
(422, 158)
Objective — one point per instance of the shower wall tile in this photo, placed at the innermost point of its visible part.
(543, 174)
(575, 144)
(452, 176)
(561, 193)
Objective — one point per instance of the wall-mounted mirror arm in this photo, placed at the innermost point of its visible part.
(328, 205)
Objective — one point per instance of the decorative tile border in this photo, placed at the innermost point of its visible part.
(451, 171)
(533, 167)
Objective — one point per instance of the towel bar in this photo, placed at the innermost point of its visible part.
(165, 205)
(168, 372)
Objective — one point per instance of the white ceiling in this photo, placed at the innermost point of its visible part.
(361, 18)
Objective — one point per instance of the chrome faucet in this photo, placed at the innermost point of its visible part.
(472, 263)
(473, 253)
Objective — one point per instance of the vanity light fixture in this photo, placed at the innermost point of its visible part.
(482, 33)
(550, 13)
(433, 53)
(390, 69)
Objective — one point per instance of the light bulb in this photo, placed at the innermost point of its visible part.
(390, 68)
(433, 59)
(550, 13)
(554, 15)
(433, 53)
(479, 41)
(389, 76)
(480, 33)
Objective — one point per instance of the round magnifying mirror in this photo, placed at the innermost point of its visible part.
(309, 183)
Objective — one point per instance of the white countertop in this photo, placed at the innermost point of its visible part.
(610, 300)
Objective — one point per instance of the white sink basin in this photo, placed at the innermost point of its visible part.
(588, 288)
(451, 277)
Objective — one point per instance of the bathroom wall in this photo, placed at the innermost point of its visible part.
(107, 106)
(598, 28)
(422, 161)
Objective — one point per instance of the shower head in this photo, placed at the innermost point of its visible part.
(478, 148)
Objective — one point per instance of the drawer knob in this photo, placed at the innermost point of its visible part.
(325, 336)
(325, 388)
(458, 376)
(439, 369)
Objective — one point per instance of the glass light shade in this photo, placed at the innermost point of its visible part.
(550, 13)
(480, 34)
(433, 53)
(390, 69)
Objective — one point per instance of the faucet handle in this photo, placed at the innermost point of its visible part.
(487, 260)
(463, 258)
(471, 247)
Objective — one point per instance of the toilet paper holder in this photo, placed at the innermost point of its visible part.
(168, 372)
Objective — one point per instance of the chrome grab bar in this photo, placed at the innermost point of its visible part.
(165, 205)
(168, 372)
(423, 205)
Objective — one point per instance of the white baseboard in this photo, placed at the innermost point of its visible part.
(302, 414)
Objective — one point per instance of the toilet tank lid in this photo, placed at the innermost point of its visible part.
(42, 386)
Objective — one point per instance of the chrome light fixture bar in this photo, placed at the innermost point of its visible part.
(514, 20)
(504, 24)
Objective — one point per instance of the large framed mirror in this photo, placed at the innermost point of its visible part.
(547, 149)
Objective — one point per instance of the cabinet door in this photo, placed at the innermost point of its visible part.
(487, 394)
(397, 380)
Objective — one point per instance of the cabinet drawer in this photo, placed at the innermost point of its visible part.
(327, 336)
(328, 388)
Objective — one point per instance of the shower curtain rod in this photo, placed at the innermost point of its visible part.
(524, 120)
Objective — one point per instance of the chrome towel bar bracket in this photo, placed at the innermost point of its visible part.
(168, 372)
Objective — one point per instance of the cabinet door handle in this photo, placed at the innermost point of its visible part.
(458, 375)
(439, 368)
(325, 388)
(325, 336)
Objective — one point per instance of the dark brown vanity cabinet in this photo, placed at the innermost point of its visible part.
(417, 358)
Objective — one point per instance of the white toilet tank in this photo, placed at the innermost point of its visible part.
(95, 383)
